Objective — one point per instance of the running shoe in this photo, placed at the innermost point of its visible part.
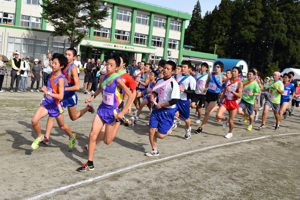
(187, 133)
(218, 120)
(124, 121)
(31, 90)
(290, 113)
(262, 126)
(177, 120)
(136, 119)
(85, 167)
(72, 142)
(293, 113)
(174, 126)
(198, 121)
(199, 130)
(245, 120)
(135, 112)
(276, 126)
(37, 91)
(256, 116)
(131, 122)
(249, 128)
(225, 123)
(284, 115)
(261, 108)
(46, 141)
(196, 114)
(240, 120)
(152, 153)
(36, 143)
(91, 108)
(228, 136)
(86, 147)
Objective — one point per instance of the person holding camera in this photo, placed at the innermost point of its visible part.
(16, 64)
(25, 68)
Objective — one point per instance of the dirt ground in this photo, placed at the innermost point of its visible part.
(266, 168)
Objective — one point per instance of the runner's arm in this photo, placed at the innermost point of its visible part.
(147, 79)
(239, 93)
(60, 85)
(74, 76)
(122, 85)
(207, 81)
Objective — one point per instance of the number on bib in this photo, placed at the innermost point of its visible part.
(108, 98)
(212, 86)
(271, 96)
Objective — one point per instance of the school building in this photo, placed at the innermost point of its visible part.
(138, 28)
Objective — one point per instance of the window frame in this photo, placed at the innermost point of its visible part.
(103, 32)
(159, 22)
(157, 39)
(2, 18)
(32, 21)
(175, 25)
(122, 34)
(140, 37)
(124, 15)
(173, 42)
(141, 17)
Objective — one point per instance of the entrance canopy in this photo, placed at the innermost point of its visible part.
(296, 72)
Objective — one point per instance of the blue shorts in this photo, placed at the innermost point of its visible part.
(284, 101)
(107, 114)
(183, 106)
(163, 119)
(141, 89)
(70, 101)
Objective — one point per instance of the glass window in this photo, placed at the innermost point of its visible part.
(157, 41)
(173, 44)
(155, 59)
(140, 39)
(123, 15)
(159, 22)
(59, 47)
(28, 45)
(109, 11)
(11, 0)
(103, 32)
(175, 25)
(122, 35)
(142, 19)
(32, 2)
(29, 21)
(41, 47)
(7, 18)
(14, 44)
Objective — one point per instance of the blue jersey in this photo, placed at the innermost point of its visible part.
(288, 90)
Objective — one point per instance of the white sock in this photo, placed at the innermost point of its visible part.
(71, 137)
(40, 137)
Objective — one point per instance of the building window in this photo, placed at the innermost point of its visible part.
(28, 46)
(173, 44)
(30, 21)
(175, 25)
(122, 35)
(7, 18)
(14, 44)
(123, 15)
(108, 11)
(142, 19)
(59, 47)
(41, 47)
(11, 0)
(159, 22)
(157, 41)
(140, 39)
(32, 2)
(102, 33)
(155, 59)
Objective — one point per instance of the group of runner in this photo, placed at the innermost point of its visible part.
(167, 92)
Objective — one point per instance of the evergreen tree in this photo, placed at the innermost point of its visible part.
(69, 17)
(194, 32)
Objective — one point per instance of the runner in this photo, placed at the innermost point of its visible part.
(296, 99)
(264, 95)
(273, 101)
(213, 85)
(257, 79)
(231, 94)
(70, 96)
(250, 91)
(108, 112)
(163, 113)
(187, 86)
(198, 99)
(51, 104)
(138, 75)
(146, 101)
(286, 97)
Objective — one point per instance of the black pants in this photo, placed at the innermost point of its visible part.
(37, 84)
(14, 77)
(1, 81)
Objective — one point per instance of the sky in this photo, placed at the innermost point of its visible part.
(185, 5)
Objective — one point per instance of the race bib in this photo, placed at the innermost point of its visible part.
(141, 86)
(51, 91)
(108, 98)
(228, 94)
(246, 91)
(212, 86)
(200, 83)
(285, 93)
(271, 96)
(161, 93)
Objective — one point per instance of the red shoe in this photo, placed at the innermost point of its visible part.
(219, 120)
(91, 108)
(46, 141)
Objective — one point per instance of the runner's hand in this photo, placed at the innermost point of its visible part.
(229, 89)
(275, 86)
(87, 100)
(44, 89)
(119, 116)
(129, 110)
(250, 93)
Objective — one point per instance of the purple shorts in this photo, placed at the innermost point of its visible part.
(107, 114)
(53, 110)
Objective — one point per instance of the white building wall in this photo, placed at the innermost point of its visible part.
(143, 29)
(7, 6)
(31, 10)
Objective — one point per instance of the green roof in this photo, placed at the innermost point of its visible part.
(151, 8)
(199, 54)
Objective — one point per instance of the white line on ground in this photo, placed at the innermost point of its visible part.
(151, 162)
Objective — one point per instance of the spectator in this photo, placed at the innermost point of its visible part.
(78, 64)
(88, 76)
(3, 71)
(25, 68)
(103, 68)
(131, 67)
(36, 73)
(15, 72)
(47, 69)
(96, 74)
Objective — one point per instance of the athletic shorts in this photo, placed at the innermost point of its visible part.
(284, 101)
(107, 114)
(183, 107)
(294, 102)
(141, 89)
(53, 109)
(250, 107)
(275, 107)
(211, 97)
(230, 105)
(88, 79)
(163, 119)
(70, 101)
(199, 99)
